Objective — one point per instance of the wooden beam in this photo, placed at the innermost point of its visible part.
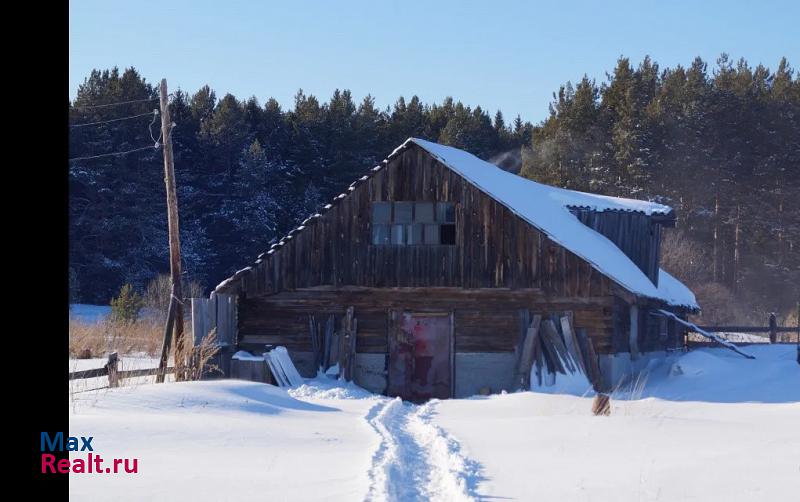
(523, 379)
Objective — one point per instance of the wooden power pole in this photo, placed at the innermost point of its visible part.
(175, 320)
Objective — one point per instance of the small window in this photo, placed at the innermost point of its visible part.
(403, 212)
(406, 223)
(447, 234)
(431, 235)
(424, 212)
(414, 233)
(380, 234)
(398, 234)
(445, 212)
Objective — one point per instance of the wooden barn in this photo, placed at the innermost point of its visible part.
(432, 265)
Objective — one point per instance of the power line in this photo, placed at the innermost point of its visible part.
(117, 103)
(113, 120)
(150, 128)
(114, 154)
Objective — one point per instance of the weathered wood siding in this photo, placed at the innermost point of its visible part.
(636, 234)
(486, 320)
(499, 265)
(494, 248)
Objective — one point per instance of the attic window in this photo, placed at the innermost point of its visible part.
(413, 223)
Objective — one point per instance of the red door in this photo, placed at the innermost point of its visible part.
(420, 356)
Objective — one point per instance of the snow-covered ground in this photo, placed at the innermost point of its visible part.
(711, 426)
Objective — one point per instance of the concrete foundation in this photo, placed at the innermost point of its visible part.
(478, 372)
(619, 370)
(475, 372)
(370, 372)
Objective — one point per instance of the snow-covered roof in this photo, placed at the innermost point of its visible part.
(547, 208)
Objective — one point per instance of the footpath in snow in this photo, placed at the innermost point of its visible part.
(416, 459)
(709, 426)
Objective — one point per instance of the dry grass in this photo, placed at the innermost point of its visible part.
(198, 360)
(143, 337)
(87, 340)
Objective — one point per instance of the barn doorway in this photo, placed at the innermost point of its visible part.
(420, 355)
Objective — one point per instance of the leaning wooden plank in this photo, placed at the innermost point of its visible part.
(316, 350)
(353, 339)
(561, 347)
(539, 359)
(327, 342)
(597, 381)
(551, 359)
(633, 335)
(345, 349)
(583, 343)
(569, 354)
(557, 348)
(279, 367)
(334, 356)
(320, 345)
(695, 328)
(572, 343)
(524, 322)
(276, 371)
(281, 356)
(526, 356)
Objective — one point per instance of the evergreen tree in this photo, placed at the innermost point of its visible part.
(721, 146)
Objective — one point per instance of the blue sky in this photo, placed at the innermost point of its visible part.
(507, 55)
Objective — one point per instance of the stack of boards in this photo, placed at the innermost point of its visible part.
(550, 346)
(334, 351)
(282, 368)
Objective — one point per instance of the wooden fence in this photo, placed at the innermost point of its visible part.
(772, 328)
(114, 374)
(218, 312)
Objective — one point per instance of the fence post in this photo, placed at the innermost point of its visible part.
(773, 328)
(111, 367)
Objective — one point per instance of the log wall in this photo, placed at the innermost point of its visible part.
(486, 320)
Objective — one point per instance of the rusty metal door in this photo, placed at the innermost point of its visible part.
(420, 355)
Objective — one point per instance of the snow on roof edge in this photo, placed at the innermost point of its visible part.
(569, 198)
(674, 293)
(545, 208)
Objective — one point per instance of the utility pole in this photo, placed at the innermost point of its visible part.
(175, 321)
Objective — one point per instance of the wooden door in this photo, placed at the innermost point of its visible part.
(420, 355)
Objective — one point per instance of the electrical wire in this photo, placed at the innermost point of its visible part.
(111, 120)
(150, 128)
(115, 104)
(114, 154)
